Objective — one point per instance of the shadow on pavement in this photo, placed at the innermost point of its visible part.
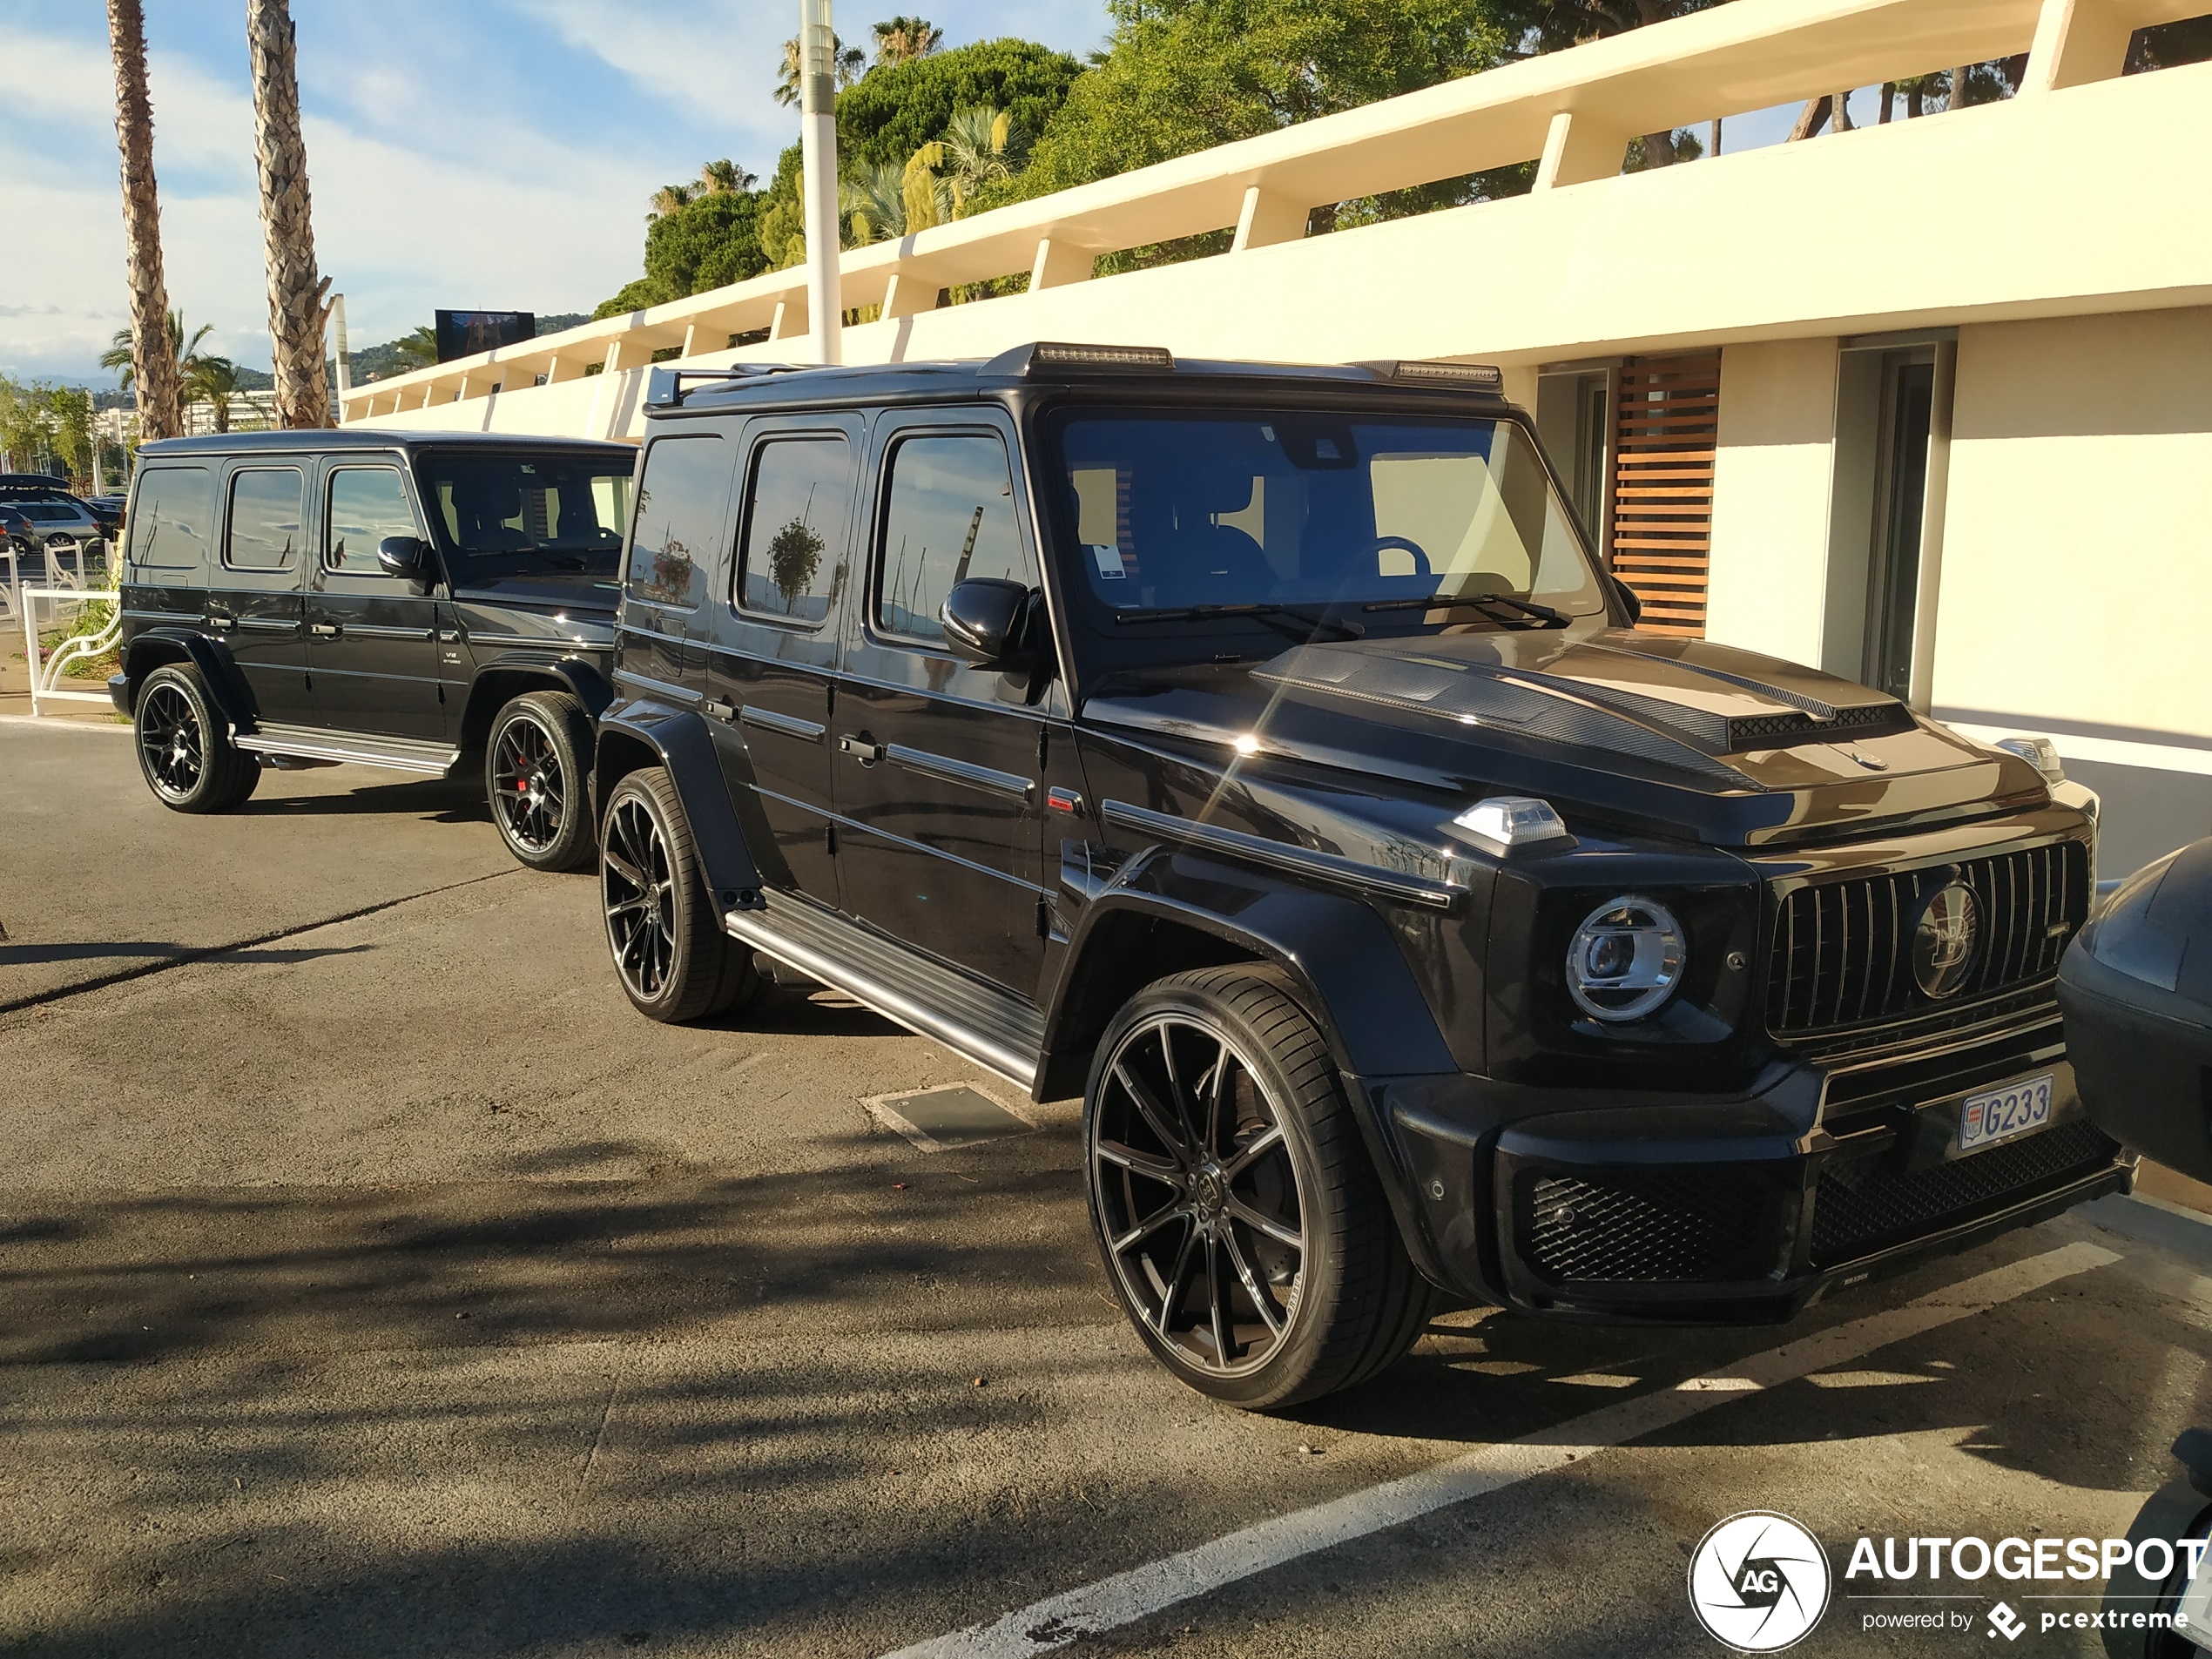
(441, 800)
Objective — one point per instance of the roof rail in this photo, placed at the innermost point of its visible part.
(665, 388)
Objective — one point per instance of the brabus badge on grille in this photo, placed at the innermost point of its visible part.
(1943, 943)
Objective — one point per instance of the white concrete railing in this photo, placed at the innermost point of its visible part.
(1574, 113)
(45, 676)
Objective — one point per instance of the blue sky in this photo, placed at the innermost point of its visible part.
(494, 154)
(466, 153)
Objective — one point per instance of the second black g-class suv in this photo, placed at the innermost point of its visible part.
(428, 601)
(1264, 753)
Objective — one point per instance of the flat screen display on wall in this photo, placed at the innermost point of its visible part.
(464, 334)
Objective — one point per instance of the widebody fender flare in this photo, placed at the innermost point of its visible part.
(226, 687)
(681, 743)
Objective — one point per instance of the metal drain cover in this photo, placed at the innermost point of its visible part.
(953, 1115)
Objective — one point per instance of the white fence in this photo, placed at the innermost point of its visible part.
(46, 676)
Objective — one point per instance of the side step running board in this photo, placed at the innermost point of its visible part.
(397, 754)
(994, 1028)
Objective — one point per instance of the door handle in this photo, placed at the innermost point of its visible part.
(325, 630)
(221, 619)
(864, 749)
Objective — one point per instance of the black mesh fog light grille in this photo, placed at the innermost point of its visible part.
(1866, 1204)
(1648, 1225)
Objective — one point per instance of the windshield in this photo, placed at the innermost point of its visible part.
(1358, 518)
(511, 516)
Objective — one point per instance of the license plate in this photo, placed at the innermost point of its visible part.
(2002, 1113)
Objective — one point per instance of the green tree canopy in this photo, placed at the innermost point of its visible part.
(897, 107)
(708, 242)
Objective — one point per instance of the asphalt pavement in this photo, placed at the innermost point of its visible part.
(388, 1287)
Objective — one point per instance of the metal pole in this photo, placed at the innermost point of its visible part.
(1920, 688)
(818, 178)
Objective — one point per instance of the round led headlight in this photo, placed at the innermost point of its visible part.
(1625, 959)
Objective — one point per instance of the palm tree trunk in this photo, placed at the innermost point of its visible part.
(298, 310)
(153, 358)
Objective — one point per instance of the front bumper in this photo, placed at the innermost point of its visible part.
(1735, 1210)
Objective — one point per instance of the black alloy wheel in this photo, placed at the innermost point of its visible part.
(535, 760)
(674, 960)
(185, 751)
(1242, 1226)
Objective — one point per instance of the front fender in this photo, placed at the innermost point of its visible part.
(1340, 957)
(682, 744)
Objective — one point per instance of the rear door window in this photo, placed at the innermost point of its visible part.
(264, 529)
(793, 560)
(683, 505)
(171, 523)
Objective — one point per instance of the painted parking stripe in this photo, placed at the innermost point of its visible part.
(1144, 1590)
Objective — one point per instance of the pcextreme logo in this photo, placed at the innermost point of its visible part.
(1759, 1582)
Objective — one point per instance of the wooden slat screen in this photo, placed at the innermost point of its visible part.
(1663, 486)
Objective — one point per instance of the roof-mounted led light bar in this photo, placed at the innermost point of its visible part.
(1476, 377)
(1047, 357)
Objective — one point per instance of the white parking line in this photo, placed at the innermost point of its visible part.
(1144, 1590)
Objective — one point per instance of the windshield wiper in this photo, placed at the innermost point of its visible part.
(1273, 616)
(1531, 614)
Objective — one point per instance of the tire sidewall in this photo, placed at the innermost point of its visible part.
(1321, 1210)
(213, 739)
(570, 849)
(683, 885)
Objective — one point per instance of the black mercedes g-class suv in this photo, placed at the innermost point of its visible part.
(1263, 752)
(429, 601)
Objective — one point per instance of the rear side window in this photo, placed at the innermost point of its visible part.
(264, 532)
(950, 517)
(367, 504)
(171, 523)
(793, 563)
(682, 502)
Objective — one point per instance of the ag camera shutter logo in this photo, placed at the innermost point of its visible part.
(1759, 1582)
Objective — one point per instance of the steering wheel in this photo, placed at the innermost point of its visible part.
(1419, 554)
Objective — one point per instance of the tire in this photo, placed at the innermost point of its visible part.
(185, 749)
(536, 758)
(675, 962)
(1222, 1157)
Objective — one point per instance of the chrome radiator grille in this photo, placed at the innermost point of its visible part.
(1841, 951)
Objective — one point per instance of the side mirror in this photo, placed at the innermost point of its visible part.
(982, 617)
(1627, 595)
(406, 555)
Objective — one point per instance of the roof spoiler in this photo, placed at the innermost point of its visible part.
(666, 388)
(1474, 377)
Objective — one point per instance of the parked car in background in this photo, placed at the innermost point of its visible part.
(2137, 986)
(1262, 753)
(108, 510)
(66, 525)
(431, 603)
(19, 533)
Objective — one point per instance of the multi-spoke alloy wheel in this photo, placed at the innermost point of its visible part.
(185, 747)
(535, 760)
(172, 740)
(1198, 1193)
(1242, 1226)
(640, 895)
(674, 960)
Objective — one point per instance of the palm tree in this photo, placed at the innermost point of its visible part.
(213, 380)
(667, 199)
(903, 39)
(421, 347)
(874, 203)
(849, 60)
(981, 147)
(725, 178)
(122, 354)
(298, 308)
(156, 374)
